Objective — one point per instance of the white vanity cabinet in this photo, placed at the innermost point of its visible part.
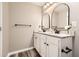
(52, 46)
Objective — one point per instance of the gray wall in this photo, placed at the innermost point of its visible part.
(5, 24)
(1, 28)
(23, 13)
(74, 16)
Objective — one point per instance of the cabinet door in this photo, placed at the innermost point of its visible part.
(66, 42)
(37, 41)
(52, 47)
(43, 47)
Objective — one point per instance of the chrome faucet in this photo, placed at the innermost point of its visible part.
(55, 29)
(43, 28)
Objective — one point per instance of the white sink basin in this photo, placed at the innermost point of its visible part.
(61, 35)
(56, 35)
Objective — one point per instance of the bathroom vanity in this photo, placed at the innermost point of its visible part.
(53, 45)
(50, 44)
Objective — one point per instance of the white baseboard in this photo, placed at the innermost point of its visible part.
(15, 52)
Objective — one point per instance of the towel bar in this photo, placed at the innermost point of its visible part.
(22, 25)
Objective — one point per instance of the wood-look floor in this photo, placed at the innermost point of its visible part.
(29, 53)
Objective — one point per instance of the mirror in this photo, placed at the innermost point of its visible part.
(45, 22)
(60, 16)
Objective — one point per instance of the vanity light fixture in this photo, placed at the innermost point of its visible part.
(51, 2)
(46, 5)
(49, 6)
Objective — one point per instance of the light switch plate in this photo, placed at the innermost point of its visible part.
(74, 23)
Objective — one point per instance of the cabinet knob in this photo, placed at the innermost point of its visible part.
(47, 44)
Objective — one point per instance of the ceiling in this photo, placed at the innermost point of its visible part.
(39, 3)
